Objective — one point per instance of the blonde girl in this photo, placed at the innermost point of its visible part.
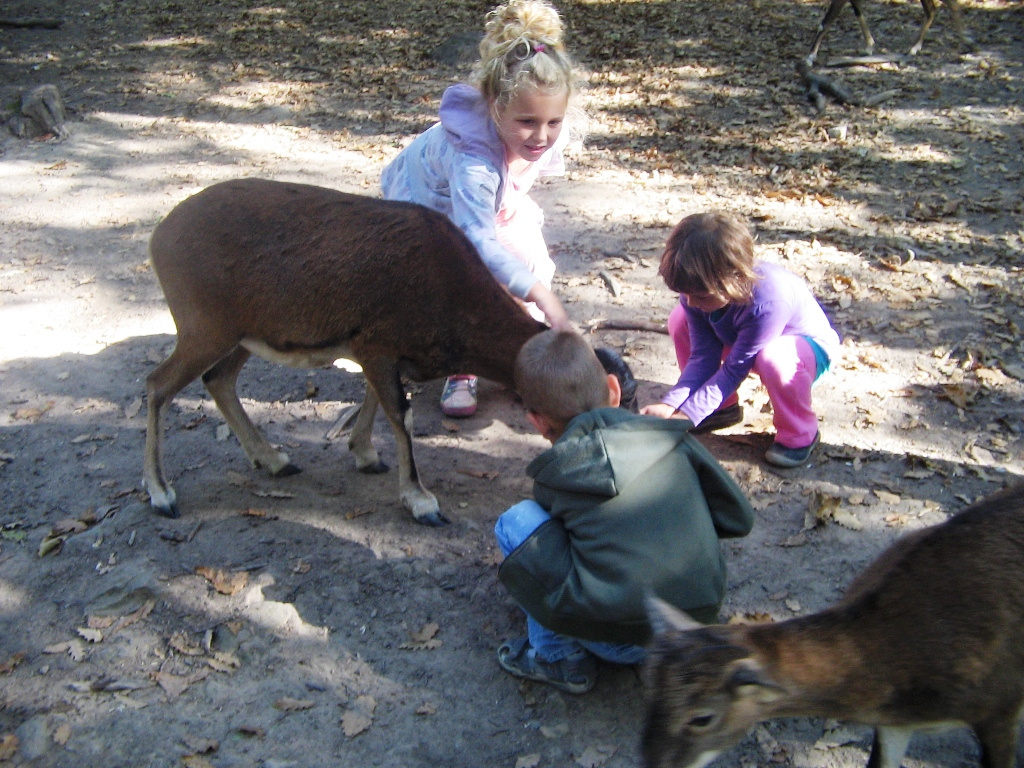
(496, 135)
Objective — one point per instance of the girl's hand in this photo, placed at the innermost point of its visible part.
(552, 308)
(662, 411)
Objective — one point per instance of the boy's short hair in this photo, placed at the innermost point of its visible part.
(710, 253)
(558, 376)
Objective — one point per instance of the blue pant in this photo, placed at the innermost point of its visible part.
(512, 529)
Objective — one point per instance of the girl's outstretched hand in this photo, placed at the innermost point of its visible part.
(663, 411)
(552, 308)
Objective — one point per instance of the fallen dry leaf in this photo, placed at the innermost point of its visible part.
(8, 746)
(885, 496)
(358, 512)
(359, 716)
(847, 519)
(50, 544)
(224, 662)
(480, 473)
(423, 640)
(273, 494)
(426, 709)
(181, 642)
(288, 704)
(175, 685)
(9, 666)
(225, 582)
(796, 540)
(196, 761)
(528, 761)
(124, 621)
(33, 414)
(62, 734)
(68, 525)
(821, 506)
(90, 635)
(201, 746)
(593, 757)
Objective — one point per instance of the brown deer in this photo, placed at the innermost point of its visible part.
(303, 276)
(835, 7)
(931, 635)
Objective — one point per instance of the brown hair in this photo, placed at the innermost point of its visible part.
(558, 376)
(710, 253)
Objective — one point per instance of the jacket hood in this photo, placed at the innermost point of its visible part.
(466, 119)
(603, 450)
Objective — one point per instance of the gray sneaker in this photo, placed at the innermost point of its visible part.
(781, 456)
(573, 674)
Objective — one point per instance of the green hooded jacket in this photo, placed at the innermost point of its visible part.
(638, 507)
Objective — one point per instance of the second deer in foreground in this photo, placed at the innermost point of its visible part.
(835, 7)
(931, 635)
(304, 275)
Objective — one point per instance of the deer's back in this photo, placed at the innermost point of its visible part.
(300, 266)
(932, 630)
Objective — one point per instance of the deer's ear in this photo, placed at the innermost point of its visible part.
(747, 680)
(666, 618)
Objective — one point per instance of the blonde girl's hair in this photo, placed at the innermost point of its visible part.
(522, 47)
(710, 253)
(558, 376)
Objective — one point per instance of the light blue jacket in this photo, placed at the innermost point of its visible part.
(458, 167)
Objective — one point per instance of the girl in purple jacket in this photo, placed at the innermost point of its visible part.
(736, 315)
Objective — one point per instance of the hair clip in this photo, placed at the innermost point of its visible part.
(539, 48)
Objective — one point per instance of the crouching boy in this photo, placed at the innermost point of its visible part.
(624, 505)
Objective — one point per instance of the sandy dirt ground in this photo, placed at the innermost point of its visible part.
(309, 621)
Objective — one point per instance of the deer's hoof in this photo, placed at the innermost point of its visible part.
(376, 468)
(166, 510)
(435, 519)
(288, 470)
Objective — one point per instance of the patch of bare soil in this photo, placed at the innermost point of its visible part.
(308, 621)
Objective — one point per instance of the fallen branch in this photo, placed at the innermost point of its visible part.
(30, 23)
(613, 285)
(343, 424)
(865, 61)
(605, 324)
(818, 86)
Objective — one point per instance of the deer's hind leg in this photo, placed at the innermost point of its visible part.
(183, 366)
(221, 382)
(930, 11)
(888, 746)
(835, 7)
(998, 737)
(360, 440)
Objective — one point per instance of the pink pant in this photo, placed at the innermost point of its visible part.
(787, 367)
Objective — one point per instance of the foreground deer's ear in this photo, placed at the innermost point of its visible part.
(666, 618)
(748, 680)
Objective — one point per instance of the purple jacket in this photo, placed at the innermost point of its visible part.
(458, 167)
(782, 305)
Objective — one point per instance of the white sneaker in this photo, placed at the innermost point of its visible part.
(458, 398)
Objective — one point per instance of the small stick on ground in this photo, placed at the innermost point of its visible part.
(610, 281)
(865, 61)
(604, 324)
(30, 23)
(343, 424)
